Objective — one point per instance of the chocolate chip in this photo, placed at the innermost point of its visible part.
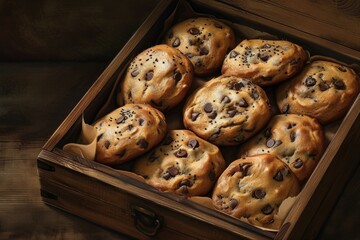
(267, 209)
(254, 94)
(203, 51)
(310, 81)
(267, 133)
(176, 42)
(338, 83)
(218, 25)
(233, 203)
(100, 136)
(137, 107)
(184, 190)
(107, 144)
(285, 108)
(149, 75)
(264, 57)
(142, 143)
(233, 54)
(135, 72)
(141, 121)
(278, 177)
(194, 31)
(193, 143)
(188, 55)
(270, 142)
(166, 176)
(298, 163)
(259, 194)
(168, 140)
(266, 46)
(244, 168)
(292, 136)
(181, 153)
(208, 108)
(323, 86)
(130, 126)
(121, 153)
(120, 120)
(173, 171)
(194, 116)
(185, 182)
(177, 76)
(212, 115)
(341, 68)
(243, 103)
(235, 85)
(232, 113)
(225, 99)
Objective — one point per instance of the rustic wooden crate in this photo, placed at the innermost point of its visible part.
(107, 197)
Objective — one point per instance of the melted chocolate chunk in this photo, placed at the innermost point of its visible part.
(181, 153)
(341, 68)
(277, 143)
(264, 57)
(212, 115)
(168, 140)
(235, 85)
(278, 177)
(142, 143)
(135, 72)
(100, 136)
(218, 25)
(193, 143)
(323, 86)
(188, 55)
(173, 171)
(285, 108)
(266, 45)
(225, 99)
(177, 76)
(107, 144)
(259, 194)
(185, 182)
(310, 81)
(137, 107)
(194, 31)
(267, 209)
(141, 121)
(121, 153)
(254, 94)
(208, 108)
(233, 54)
(270, 142)
(233, 203)
(130, 126)
(243, 103)
(244, 168)
(338, 83)
(176, 42)
(292, 136)
(298, 163)
(120, 120)
(194, 116)
(232, 113)
(149, 76)
(203, 51)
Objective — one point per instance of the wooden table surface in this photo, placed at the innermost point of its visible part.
(34, 99)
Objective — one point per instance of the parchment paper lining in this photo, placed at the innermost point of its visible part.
(85, 147)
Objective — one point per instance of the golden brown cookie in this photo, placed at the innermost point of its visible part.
(160, 76)
(128, 132)
(297, 140)
(183, 164)
(254, 188)
(205, 41)
(265, 62)
(227, 110)
(323, 90)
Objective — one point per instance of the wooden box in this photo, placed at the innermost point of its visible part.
(114, 200)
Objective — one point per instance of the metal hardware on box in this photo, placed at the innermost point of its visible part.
(44, 166)
(47, 194)
(146, 221)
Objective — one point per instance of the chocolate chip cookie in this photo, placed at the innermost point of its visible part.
(297, 140)
(254, 188)
(183, 164)
(160, 76)
(205, 41)
(227, 110)
(265, 62)
(128, 132)
(324, 90)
